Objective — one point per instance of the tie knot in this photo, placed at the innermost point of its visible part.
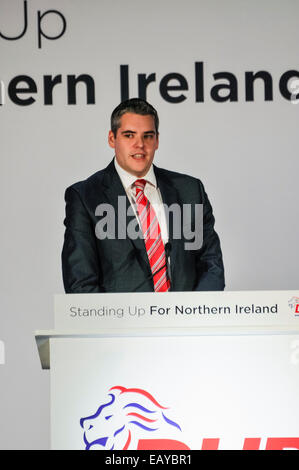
(139, 185)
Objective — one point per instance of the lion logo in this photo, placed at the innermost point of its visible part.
(131, 419)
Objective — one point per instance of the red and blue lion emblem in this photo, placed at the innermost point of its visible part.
(131, 419)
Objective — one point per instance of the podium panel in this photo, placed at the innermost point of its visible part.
(176, 388)
(226, 388)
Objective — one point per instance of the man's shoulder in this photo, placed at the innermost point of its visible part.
(177, 178)
(94, 180)
(90, 180)
(173, 174)
(189, 188)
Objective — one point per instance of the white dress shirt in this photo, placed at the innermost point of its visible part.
(151, 191)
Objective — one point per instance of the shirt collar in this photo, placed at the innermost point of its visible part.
(127, 179)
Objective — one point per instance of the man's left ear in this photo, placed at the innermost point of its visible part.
(111, 139)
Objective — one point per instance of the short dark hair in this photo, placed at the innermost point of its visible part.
(135, 106)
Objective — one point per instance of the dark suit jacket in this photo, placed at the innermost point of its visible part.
(121, 265)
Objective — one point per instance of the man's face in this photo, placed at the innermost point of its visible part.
(135, 143)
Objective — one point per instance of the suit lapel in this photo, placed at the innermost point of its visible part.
(112, 189)
(169, 197)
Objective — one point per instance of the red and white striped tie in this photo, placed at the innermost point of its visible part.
(152, 238)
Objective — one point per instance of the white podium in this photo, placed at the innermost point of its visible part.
(176, 371)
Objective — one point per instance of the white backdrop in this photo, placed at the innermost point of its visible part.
(244, 151)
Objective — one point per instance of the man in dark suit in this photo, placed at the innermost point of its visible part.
(119, 259)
